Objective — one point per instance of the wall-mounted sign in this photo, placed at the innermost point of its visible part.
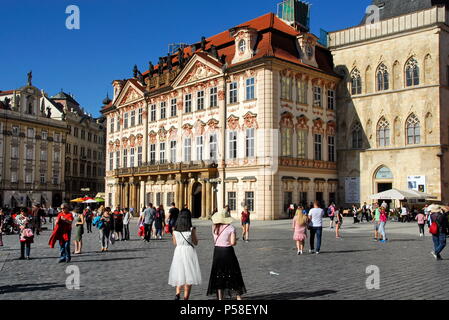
(352, 190)
(417, 183)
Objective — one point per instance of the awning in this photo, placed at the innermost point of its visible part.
(249, 179)
(423, 195)
(304, 179)
(395, 194)
(289, 178)
(231, 179)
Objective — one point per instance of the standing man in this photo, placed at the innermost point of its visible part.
(62, 233)
(148, 218)
(376, 221)
(316, 215)
(173, 214)
(36, 216)
(439, 239)
(364, 212)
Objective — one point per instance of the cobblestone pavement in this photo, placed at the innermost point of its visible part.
(136, 270)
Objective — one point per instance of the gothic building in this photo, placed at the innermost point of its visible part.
(245, 117)
(393, 124)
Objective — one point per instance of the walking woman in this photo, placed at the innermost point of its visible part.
(105, 229)
(225, 277)
(79, 231)
(383, 222)
(185, 268)
(26, 236)
(159, 221)
(245, 224)
(88, 216)
(126, 220)
(339, 223)
(118, 224)
(421, 218)
(300, 222)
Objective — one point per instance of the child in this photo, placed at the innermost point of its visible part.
(300, 222)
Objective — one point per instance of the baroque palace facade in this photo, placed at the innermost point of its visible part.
(50, 149)
(393, 124)
(246, 117)
(32, 147)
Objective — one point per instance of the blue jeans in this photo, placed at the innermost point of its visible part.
(439, 242)
(382, 230)
(318, 231)
(65, 251)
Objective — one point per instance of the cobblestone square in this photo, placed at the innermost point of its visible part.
(136, 270)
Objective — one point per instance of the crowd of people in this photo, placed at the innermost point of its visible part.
(225, 277)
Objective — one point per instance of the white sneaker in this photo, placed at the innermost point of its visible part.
(434, 255)
(311, 251)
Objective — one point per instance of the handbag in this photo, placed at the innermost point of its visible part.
(167, 229)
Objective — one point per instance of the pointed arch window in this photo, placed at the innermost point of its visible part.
(412, 72)
(383, 78)
(356, 135)
(383, 133)
(413, 130)
(356, 82)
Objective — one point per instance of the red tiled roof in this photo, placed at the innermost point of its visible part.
(4, 93)
(275, 39)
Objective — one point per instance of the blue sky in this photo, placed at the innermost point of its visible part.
(117, 34)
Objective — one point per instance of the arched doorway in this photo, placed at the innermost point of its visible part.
(57, 200)
(197, 196)
(383, 181)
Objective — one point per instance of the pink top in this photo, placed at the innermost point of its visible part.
(224, 238)
(421, 218)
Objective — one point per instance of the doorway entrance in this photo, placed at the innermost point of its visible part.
(197, 196)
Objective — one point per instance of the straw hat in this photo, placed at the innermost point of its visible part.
(434, 208)
(222, 218)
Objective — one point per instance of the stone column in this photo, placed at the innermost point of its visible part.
(125, 203)
(203, 200)
(209, 201)
(142, 194)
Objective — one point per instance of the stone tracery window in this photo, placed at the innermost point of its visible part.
(383, 78)
(356, 82)
(383, 133)
(412, 72)
(413, 130)
(356, 135)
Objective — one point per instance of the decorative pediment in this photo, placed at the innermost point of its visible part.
(212, 124)
(172, 133)
(302, 123)
(129, 94)
(111, 146)
(250, 121)
(125, 142)
(139, 139)
(331, 128)
(197, 69)
(187, 129)
(233, 122)
(162, 134)
(200, 128)
(286, 120)
(153, 137)
(318, 126)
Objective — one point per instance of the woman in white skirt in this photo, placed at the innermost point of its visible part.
(185, 268)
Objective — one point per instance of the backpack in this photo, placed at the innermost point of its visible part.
(434, 228)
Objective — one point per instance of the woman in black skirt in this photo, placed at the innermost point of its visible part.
(225, 277)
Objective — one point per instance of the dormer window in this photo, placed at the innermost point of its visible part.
(242, 46)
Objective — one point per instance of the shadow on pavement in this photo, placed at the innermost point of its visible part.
(29, 287)
(291, 295)
(105, 260)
